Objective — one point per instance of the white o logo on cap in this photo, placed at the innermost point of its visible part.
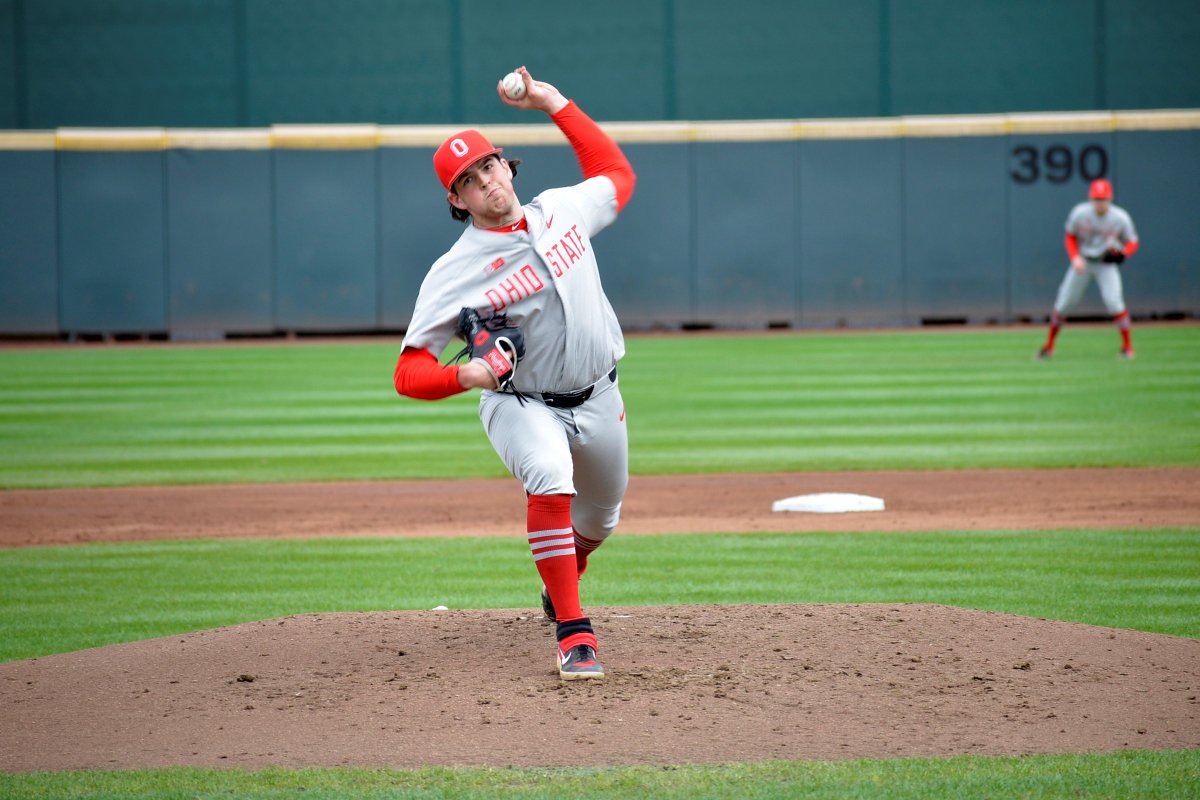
(459, 147)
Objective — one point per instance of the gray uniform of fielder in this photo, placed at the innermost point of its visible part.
(1096, 234)
(539, 277)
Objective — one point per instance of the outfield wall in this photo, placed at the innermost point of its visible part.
(880, 221)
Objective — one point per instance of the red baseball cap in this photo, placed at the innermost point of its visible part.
(1100, 190)
(459, 152)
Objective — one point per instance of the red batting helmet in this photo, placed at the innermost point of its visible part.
(459, 152)
(1100, 190)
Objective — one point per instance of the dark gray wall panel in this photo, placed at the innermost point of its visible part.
(28, 244)
(954, 227)
(326, 246)
(219, 240)
(851, 257)
(1156, 181)
(819, 232)
(415, 229)
(745, 232)
(1047, 176)
(646, 257)
(113, 249)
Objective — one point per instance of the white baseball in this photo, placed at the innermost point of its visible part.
(514, 86)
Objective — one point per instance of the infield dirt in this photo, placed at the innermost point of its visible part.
(687, 683)
(915, 501)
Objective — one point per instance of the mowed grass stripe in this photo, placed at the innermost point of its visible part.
(1150, 775)
(67, 598)
(815, 401)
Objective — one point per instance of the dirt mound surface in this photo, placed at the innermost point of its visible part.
(915, 501)
(687, 684)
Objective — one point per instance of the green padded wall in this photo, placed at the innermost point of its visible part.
(954, 57)
(131, 63)
(613, 54)
(10, 60)
(1152, 56)
(350, 61)
(219, 63)
(777, 58)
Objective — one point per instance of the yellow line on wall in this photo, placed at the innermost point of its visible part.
(358, 137)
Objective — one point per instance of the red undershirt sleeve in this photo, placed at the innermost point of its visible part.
(1072, 243)
(598, 154)
(1131, 247)
(420, 376)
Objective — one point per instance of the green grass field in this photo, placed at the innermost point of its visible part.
(1147, 775)
(58, 599)
(97, 416)
(94, 416)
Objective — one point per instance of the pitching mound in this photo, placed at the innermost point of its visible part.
(687, 684)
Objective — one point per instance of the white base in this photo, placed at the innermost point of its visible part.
(829, 503)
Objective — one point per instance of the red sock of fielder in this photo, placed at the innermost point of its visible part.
(1056, 322)
(552, 540)
(1122, 321)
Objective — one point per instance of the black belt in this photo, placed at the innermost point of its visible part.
(573, 399)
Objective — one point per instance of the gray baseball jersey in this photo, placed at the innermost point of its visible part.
(539, 277)
(1098, 233)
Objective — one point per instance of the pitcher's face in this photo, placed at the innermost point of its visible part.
(485, 191)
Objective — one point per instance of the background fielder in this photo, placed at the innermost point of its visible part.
(559, 422)
(1099, 236)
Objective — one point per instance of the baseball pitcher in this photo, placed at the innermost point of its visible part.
(1100, 236)
(521, 288)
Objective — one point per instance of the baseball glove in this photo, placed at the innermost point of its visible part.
(494, 341)
(1113, 255)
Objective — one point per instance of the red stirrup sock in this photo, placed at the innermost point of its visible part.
(552, 540)
(584, 547)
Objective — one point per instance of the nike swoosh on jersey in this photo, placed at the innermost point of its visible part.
(549, 221)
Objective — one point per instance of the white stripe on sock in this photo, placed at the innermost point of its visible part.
(563, 542)
(570, 551)
(552, 532)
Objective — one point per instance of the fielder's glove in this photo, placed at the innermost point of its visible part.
(494, 341)
(1113, 255)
